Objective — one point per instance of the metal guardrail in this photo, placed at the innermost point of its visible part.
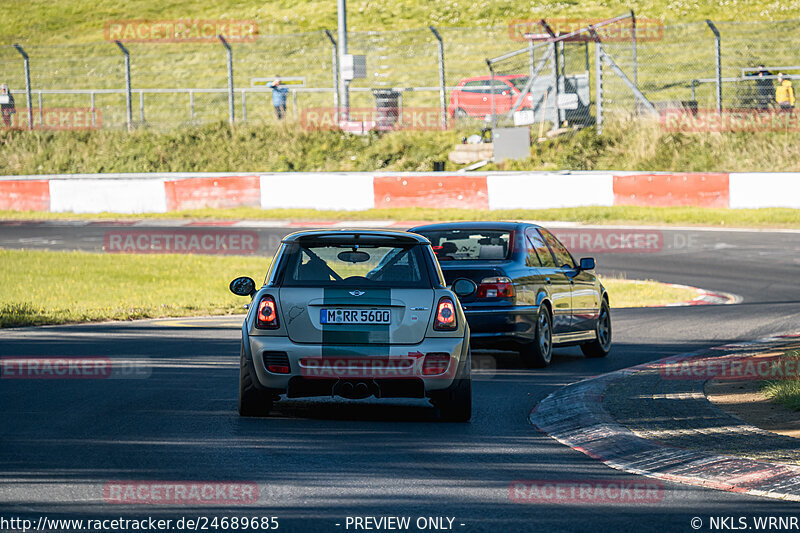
(736, 79)
(191, 92)
(745, 70)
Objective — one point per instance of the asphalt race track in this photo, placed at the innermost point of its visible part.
(316, 463)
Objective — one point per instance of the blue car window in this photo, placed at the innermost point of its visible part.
(531, 256)
(470, 244)
(542, 251)
(560, 252)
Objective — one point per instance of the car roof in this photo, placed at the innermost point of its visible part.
(497, 77)
(348, 235)
(479, 224)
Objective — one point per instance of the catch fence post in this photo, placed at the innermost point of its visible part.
(128, 104)
(229, 54)
(27, 64)
(442, 96)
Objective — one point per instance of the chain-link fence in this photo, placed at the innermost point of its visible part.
(177, 84)
(546, 82)
(682, 65)
(171, 83)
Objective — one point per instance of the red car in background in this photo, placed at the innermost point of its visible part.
(472, 97)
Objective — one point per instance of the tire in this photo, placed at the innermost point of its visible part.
(539, 353)
(253, 400)
(602, 343)
(460, 113)
(455, 404)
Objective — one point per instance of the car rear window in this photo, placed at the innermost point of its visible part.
(345, 264)
(469, 245)
(519, 83)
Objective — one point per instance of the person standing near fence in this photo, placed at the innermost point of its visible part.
(7, 107)
(784, 94)
(764, 88)
(279, 98)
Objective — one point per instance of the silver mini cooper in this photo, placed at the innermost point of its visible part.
(355, 314)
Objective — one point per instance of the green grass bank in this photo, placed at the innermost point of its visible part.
(69, 287)
(288, 147)
(787, 391)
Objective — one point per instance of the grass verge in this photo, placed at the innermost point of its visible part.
(624, 145)
(66, 287)
(644, 293)
(785, 392)
(678, 216)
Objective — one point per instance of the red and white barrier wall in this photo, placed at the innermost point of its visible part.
(159, 193)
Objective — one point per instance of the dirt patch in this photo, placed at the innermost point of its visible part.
(744, 400)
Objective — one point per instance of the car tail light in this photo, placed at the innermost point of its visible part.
(267, 317)
(498, 287)
(445, 315)
(276, 362)
(435, 363)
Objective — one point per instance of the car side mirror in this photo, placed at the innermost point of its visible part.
(587, 263)
(464, 287)
(243, 286)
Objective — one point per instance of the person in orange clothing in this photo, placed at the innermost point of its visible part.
(784, 94)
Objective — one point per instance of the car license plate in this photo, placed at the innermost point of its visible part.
(355, 316)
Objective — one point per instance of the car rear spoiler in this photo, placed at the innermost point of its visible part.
(359, 238)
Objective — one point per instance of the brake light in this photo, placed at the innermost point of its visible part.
(445, 315)
(435, 363)
(267, 317)
(497, 287)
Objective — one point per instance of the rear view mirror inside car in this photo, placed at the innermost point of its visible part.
(353, 256)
